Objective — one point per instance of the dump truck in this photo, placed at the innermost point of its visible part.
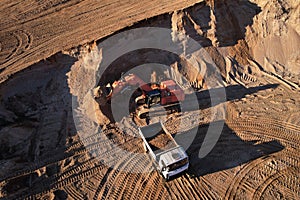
(170, 158)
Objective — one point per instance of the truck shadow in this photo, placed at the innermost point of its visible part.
(230, 151)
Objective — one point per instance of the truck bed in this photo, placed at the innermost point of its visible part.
(158, 138)
(161, 141)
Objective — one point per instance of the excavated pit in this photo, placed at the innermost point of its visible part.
(254, 44)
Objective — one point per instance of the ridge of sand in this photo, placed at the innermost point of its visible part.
(34, 30)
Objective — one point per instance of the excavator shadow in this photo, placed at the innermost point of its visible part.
(232, 92)
(202, 100)
(230, 151)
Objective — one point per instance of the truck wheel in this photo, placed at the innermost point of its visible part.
(167, 178)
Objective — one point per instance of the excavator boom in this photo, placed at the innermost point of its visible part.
(126, 82)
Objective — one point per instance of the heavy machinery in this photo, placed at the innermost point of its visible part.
(166, 94)
(170, 158)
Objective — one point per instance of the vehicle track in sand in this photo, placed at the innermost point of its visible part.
(83, 171)
(20, 40)
(256, 176)
(287, 179)
(74, 150)
(35, 30)
(253, 176)
(112, 174)
(269, 128)
(274, 170)
(124, 178)
(59, 178)
(254, 179)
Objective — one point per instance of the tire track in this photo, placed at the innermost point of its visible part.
(283, 133)
(69, 174)
(52, 185)
(130, 178)
(184, 185)
(232, 189)
(90, 185)
(255, 173)
(76, 169)
(74, 192)
(193, 184)
(211, 194)
(146, 180)
(137, 177)
(295, 188)
(148, 184)
(151, 186)
(80, 24)
(257, 128)
(93, 137)
(273, 122)
(113, 173)
(157, 183)
(23, 41)
(290, 141)
(50, 161)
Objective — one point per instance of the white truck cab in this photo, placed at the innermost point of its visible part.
(173, 162)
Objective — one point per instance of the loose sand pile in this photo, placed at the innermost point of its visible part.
(161, 142)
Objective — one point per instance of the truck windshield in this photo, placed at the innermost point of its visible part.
(178, 164)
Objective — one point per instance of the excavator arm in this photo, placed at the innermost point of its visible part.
(125, 83)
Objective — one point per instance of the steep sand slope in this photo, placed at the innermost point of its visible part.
(275, 38)
(34, 30)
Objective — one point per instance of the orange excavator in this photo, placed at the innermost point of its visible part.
(167, 94)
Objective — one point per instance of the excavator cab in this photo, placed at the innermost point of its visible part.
(153, 98)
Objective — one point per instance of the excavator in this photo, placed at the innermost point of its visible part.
(155, 96)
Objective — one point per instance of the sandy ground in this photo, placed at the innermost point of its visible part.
(34, 30)
(44, 156)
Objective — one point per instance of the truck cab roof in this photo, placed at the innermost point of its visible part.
(173, 155)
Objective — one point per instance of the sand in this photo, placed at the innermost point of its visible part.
(44, 155)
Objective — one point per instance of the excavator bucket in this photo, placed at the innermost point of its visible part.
(101, 94)
(108, 90)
